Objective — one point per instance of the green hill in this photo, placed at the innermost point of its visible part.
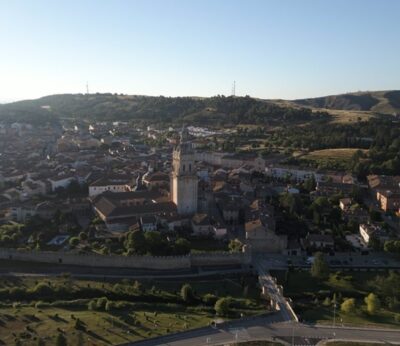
(383, 102)
(218, 110)
(212, 111)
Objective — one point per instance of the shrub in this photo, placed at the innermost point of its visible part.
(348, 306)
(101, 303)
(373, 303)
(209, 299)
(222, 306)
(92, 305)
(187, 293)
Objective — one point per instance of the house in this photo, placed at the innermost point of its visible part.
(262, 239)
(148, 223)
(156, 179)
(119, 210)
(20, 213)
(327, 188)
(201, 224)
(383, 182)
(111, 184)
(61, 181)
(368, 231)
(293, 173)
(389, 199)
(345, 203)
(319, 241)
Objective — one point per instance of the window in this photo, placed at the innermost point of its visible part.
(184, 167)
(190, 167)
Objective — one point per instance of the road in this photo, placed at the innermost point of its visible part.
(272, 289)
(264, 329)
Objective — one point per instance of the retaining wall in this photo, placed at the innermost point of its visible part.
(135, 262)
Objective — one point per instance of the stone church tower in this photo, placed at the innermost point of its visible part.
(184, 176)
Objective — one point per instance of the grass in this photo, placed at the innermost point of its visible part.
(346, 116)
(102, 328)
(351, 343)
(333, 154)
(136, 320)
(257, 343)
(308, 294)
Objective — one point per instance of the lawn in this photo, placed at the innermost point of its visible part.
(308, 295)
(157, 310)
(257, 343)
(351, 343)
(102, 328)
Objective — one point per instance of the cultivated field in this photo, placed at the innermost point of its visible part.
(343, 154)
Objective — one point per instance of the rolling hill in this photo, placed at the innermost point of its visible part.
(382, 102)
(217, 110)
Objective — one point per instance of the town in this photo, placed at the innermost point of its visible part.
(85, 188)
(199, 173)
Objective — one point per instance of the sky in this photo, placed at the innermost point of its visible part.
(272, 48)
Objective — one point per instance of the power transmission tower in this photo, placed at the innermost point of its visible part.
(234, 88)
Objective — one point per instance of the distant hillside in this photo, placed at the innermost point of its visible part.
(218, 110)
(384, 102)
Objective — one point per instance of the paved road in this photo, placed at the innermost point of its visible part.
(268, 282)
(263, 329)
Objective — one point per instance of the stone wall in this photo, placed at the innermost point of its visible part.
(220, 258)
(93, 260)
(135, 262)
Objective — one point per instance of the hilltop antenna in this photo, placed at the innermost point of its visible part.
(234, 88)
(87, 88)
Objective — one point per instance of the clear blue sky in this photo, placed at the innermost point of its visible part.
(272, 48)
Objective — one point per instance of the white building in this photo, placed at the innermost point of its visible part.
(293, 173)
(108, 184)
(367, 231)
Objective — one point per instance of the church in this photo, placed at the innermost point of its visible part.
(184, 180)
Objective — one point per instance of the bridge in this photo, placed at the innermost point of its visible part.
(273, 291)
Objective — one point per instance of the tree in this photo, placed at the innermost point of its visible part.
(348, 306)
(187, 293)
(374, 243)
(74, 241)
(290, 202)
(222, 306)
(92, 305)
(154, 243)
(373, 303)
(235, 245)
(182, 246)
(392, 246)
(320, 268)
(61, 340)
(310, 183)
(136, 242)
(83, 236)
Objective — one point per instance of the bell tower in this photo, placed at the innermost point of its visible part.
(184, 176)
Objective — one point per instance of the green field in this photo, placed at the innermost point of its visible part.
(256, 343)
(34, 308)
(28, 324)
(308, 295)
(352, 343)
(343, 154)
